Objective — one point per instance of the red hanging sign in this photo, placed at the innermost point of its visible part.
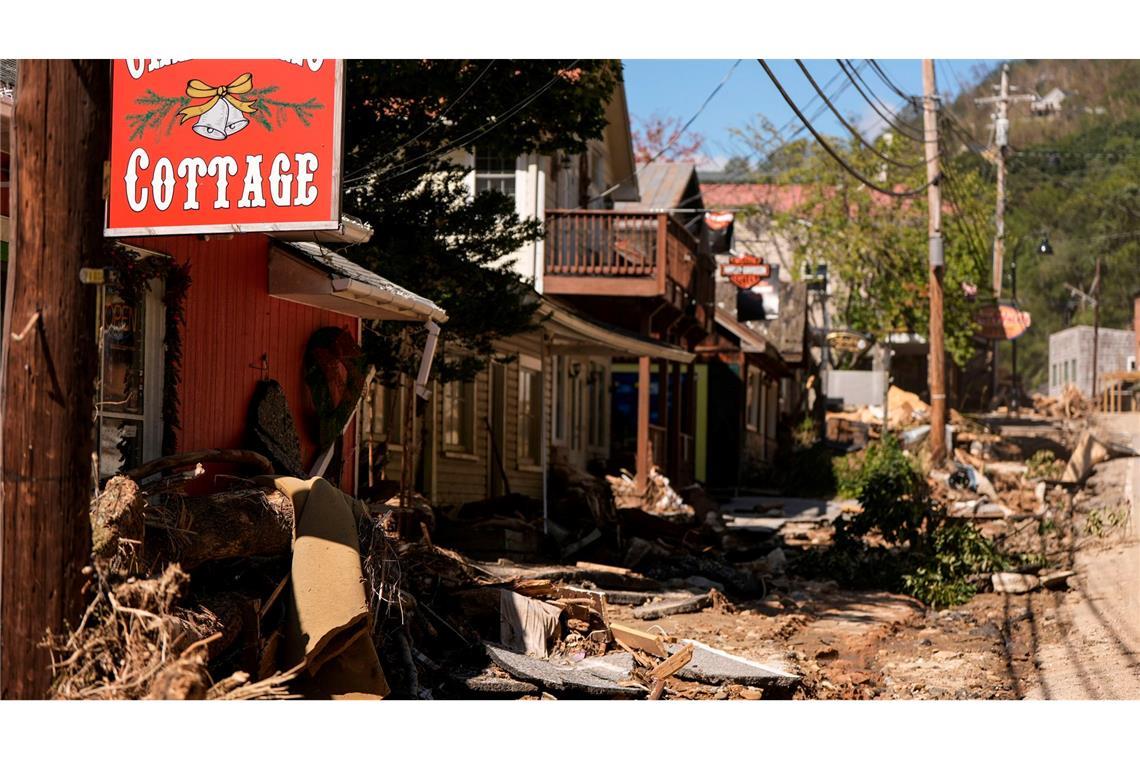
(745, 271)
(201, 146)
(1001, 322)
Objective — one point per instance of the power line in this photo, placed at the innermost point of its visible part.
(903, 129)
(883, 75)
(831, 151)
(466, 139)
(850, 128)
(676, 136)
(437, 120)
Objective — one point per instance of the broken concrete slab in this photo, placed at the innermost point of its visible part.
(562, 677)
(715, 666)
(1014, 583)
(1056, 580)
(979, 509)
(488, 683)
(673, 604)
(631, 598)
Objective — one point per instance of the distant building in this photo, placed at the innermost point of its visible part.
(1071, 352)
(1049, 103)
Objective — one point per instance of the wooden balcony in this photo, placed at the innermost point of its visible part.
(628, 254)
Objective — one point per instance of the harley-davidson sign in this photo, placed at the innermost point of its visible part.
(745, 271)
(201, 146)
(1001, 321)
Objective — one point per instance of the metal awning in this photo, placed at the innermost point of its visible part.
(310, 274)
(573, 333)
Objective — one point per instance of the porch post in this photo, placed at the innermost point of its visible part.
(675, 425)
(642, 422)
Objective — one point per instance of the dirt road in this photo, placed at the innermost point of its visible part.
(1099, 657)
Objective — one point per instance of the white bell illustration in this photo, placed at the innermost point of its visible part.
(221, 121)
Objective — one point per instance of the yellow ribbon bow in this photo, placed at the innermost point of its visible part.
(196, 88)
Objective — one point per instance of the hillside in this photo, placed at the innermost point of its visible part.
(1073, 175)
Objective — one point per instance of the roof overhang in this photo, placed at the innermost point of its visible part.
(296, 276)
(572, 333)
(618, 136)
(751, 342)
(351, 230)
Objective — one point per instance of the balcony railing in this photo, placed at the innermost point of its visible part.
(625, 253)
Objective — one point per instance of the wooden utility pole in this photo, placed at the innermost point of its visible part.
(1001, 142)
(60, 133)
(937, 364)
(1094, 291)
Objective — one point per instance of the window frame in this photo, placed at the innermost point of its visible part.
(392, 437)
(153, 371)
(501, 174)
(753, 399)
(528, 424)
(469, 395)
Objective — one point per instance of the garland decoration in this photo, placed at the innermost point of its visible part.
(132, 276)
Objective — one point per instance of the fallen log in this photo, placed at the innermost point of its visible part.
(216, 456)
(192, 530)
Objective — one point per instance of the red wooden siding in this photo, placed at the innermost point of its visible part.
(231, 322)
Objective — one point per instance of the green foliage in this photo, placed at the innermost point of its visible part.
(1044, 465)
(893, 493)
(902, 540)
(408, 132)
(875, 245)
(806, 472)
(1073, 176)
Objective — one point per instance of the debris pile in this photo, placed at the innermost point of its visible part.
(1070, 405)
(658, 498)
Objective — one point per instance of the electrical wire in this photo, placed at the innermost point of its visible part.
(887, 80)
(676, 136)
(437, 120)
(893, 119)
(831, 151)
(471, 136)
(852, 129)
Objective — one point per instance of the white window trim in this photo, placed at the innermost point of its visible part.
(752, 401)
(529, 363)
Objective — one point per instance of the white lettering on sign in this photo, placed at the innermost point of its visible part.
(306, 193)
(222, 167)
(162, 186)
(280, 181)
(136, 67)
(191, 171)
(139, 160)
(251, 195)
(761, 270)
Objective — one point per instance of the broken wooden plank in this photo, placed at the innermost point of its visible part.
(559, 678)
(642, 641)
(715, 666)
(673, 606)
(534, 587)
(526, 625)
(672, 664)
(657, 689)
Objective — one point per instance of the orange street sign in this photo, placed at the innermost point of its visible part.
(201, 146)
(1001, 322)
(745, 271)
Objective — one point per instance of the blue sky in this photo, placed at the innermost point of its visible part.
(678, 87)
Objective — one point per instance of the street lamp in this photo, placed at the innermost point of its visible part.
(1043, 249)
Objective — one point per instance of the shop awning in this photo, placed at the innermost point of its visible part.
(751, 342)
(573, 333)
(308, 273)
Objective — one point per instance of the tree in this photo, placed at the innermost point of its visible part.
(738, 169)
(875, 245)
(410, 127)
(662, 135)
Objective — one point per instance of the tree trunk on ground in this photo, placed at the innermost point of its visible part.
(61, 126)
(244, 523)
